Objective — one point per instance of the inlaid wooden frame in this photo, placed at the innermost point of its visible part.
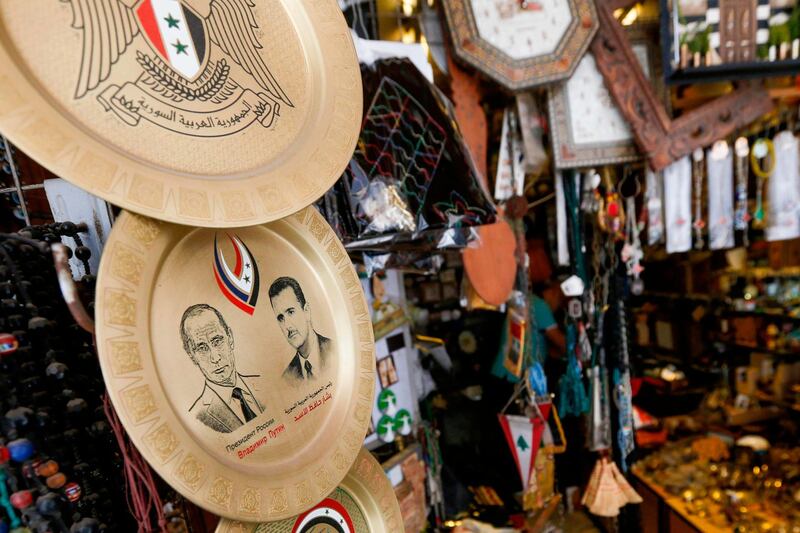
(520, 74)
(662, 139)
(578, 140)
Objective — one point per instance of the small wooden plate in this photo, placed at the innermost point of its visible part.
(214, 113)
(492, 266)
(364, 503)
(201, 336)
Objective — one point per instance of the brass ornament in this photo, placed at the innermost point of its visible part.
(213, 113)
(365, 502)
(240, 362)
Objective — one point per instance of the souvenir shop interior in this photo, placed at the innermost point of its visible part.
(384, 266)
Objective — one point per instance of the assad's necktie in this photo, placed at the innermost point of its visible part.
(246, 411)
(308, 367)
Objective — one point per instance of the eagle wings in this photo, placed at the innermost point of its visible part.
(110, 26)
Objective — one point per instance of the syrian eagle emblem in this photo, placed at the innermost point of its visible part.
(186, 84)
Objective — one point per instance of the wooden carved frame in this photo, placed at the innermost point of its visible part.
(662, 139)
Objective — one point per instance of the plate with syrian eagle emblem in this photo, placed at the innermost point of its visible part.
(240, 361)
(212, 113)
(365, 502)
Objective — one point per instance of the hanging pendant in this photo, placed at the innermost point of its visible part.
(762, 149)
(741, 213)
(697, 190)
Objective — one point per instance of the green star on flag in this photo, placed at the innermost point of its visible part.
(173, 23)
(522, 443)
(181, 48)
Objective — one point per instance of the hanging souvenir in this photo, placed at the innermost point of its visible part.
(654, 206)
(572, 399)
(411, 170)
(623, 396)
(364, 502)
(531, 123)
(515, 349)
(490, 262)
(677, 204)
(632, 253)
(510, 178)
(699, 223)
(561, 221)
(572, 195)
(214, 113)
(612, 214)
(763, 152)
(600, 407)
(784, 190)
(742, 213)
(608, 490)
(523, 435)
(241, 363)
(719, 166)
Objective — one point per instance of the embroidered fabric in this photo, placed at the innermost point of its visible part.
(720, 197)
(678, 205)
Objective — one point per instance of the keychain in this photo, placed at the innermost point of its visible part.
(762, 149)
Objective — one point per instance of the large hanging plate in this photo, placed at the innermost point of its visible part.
(364, 503)
(203, 338)
(214, 113)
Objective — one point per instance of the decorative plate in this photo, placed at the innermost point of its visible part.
(214, 113)
(241, 363)
(364, 503)
(491, 263)
(521, 44)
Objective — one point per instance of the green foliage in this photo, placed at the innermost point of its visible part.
(794, 23)
(699, 41)
(779, 33)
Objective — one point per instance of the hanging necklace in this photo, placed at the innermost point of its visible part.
(741, 214)
(761, 149)
(697, 190)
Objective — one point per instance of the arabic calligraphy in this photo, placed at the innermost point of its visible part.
(134, 102)
(311, 401)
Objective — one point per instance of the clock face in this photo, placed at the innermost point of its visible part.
(595, 116)
(521, 44)
(522, 32)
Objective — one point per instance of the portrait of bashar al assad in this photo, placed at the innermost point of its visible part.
(312, 351)
(229, 399)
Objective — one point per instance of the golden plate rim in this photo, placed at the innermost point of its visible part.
(33, 123)
(123, 318)
(368, 485)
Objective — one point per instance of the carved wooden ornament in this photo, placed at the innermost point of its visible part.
(662, 139)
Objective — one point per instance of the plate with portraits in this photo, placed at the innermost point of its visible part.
(241, 362)
(213, 113)
(365, 502)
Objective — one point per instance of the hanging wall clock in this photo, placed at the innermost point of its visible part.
(365, 502)
(521, 44)
(217, 113)
(241, 363)
(587, 128)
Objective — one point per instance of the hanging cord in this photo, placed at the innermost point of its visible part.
(572, 195)
(140, 487)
